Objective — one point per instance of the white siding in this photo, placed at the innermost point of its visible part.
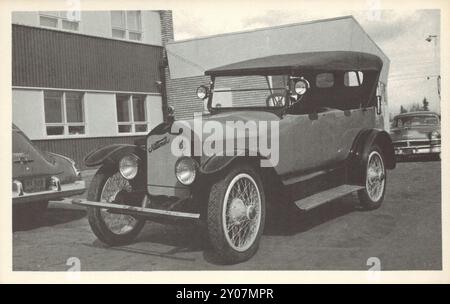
(25, 18)
(28, 112)
(98, 23)
(152, 28)
(154, 111)
(100, 114)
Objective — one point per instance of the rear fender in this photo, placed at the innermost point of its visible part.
(111, 155)
(361, 148)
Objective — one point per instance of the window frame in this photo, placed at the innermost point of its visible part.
(60, 16)
(359, 78)
(126, 29)
(132, 122)
(65, 124)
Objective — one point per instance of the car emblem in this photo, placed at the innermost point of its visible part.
(21, 158)
(158, 144)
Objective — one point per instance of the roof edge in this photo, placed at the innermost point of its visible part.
(264, 29)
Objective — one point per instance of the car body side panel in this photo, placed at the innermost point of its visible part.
(323, 140)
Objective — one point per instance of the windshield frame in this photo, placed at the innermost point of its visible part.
(212, 109)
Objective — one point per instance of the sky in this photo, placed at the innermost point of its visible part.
(400, 34)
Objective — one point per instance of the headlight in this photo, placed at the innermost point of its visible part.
(128, 166)
(55, 184)
(186, 170)
(301, 86)
(435, 135)
(17, 188)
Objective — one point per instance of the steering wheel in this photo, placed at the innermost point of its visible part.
(276, 100)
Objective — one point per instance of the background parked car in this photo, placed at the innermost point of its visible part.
(38, 176)
(417, 134)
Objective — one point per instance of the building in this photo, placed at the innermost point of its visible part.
(189, 59)
(87, 79)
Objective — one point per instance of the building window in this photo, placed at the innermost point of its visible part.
(131, 113)
(65, 20)
(126, 25)
(64, 113)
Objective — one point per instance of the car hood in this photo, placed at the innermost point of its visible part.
(416, 132)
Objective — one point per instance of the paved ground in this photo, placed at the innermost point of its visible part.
(405, 233)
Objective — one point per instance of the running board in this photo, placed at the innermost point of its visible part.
(321, 198)
(138, 211)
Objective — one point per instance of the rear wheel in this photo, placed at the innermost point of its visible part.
(109, 186)
(236, 214)
(372, 195)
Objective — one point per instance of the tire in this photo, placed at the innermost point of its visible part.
(250, 213)
(369, 197)
(96, 216)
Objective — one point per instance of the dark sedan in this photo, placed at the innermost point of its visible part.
(417, 134)
(39, 176)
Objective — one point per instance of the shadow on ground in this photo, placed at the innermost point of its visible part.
(28, 218)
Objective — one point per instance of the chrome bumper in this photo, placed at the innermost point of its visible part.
(77, 187)
(137, 211)
(405, 151)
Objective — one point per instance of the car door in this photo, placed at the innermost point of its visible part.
(313, 142)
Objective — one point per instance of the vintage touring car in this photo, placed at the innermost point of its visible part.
(417, 134)
(326, 107)
(39, 176)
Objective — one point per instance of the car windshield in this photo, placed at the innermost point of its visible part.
(410, 121)
(249, 91)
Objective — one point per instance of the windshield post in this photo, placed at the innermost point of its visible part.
(211, 92)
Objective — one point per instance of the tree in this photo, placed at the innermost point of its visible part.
(425, 104)
(403, 110)
(415, 107)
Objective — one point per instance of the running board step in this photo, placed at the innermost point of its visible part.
(138, 211)
(318, 199)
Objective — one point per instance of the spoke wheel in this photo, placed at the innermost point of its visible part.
(375, 177)
(116, 186)
(241, 212)
(236, 214)
(109, 186)
(372, 195)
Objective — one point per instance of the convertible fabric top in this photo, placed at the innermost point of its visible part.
(311, 61)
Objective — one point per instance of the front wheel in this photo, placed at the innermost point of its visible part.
(372, 195)
(236, 214)
(109, 186)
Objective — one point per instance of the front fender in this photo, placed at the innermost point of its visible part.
(112, 154)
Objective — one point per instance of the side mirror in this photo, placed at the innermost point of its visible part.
(378, 105)
(202, 92)
(170, 113)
